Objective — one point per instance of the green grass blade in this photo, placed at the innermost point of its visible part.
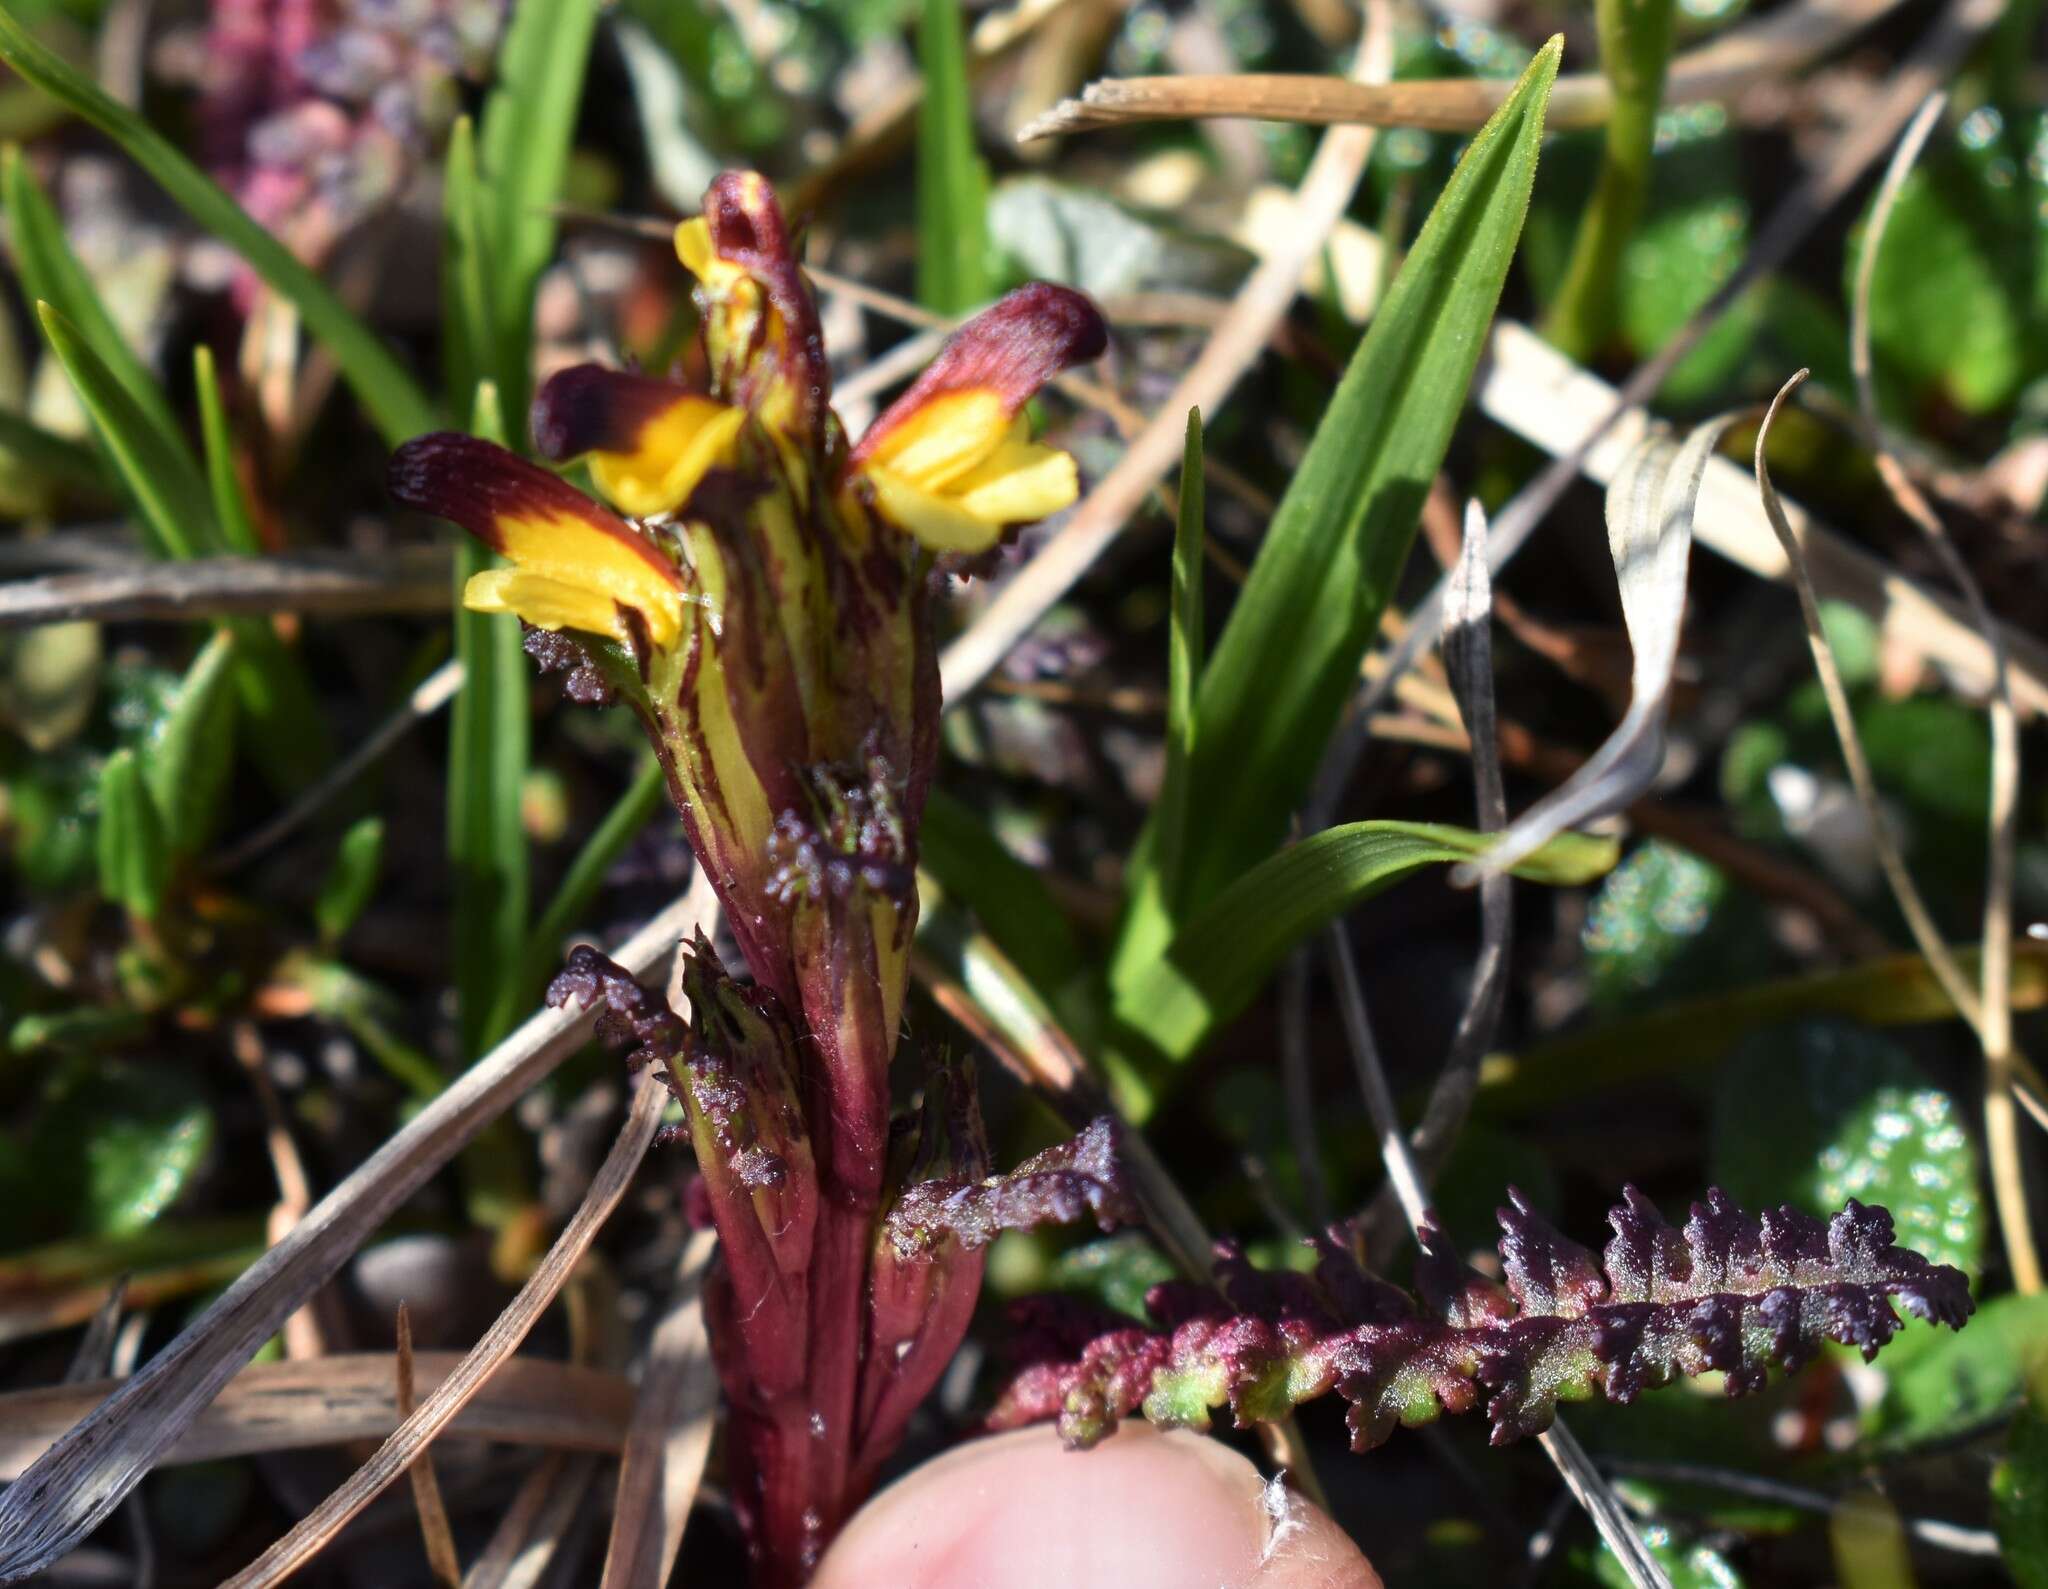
(170, 497)
(1219, 960)
(188, 763)
(970, 863)
(1289, 656)
(51, 273)
(289, 739)
(393, 399)
(230, 506)
(621, 825)
(465, 279)
(1156, 872)
(528, 123)
(952, 184)
(488, 751)
(55, 461)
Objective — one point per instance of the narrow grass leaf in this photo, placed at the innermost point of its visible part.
(1183, 668)
(466, 346)
(1221, 957)
(1649, 532)
(607, 842)
(952, 184)
(350, 880)
(135, 860)
(51, 273)
(187, 767)
(488, 747)
(528, 123)
(170, 497)
(230, 505)
(1288, 658)
(395, 402)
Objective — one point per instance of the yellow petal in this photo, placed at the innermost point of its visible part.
(1020, 481)
(693, 245)
(670, 455)
(937, 521)
(944, 439)
(613, 567)
(548, 529)
(545, 603)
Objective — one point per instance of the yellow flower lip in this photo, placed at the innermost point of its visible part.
(952, 461)
(575, 566)
(649, 442)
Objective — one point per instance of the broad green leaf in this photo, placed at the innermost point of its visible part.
(1289, 656)
(523, 155)
(1955, 1382)
(1819, 1112)
(135, 859)
(1008, 898)
(2019, 1492)
(488, 750)
(397, 405)
(1115, 1271)
(230, 506)
(156, 466)
(118, 1145)
(1221, 957)
(952, 184)
(186, 763)
(466, 339)
(1666, 923)
(1959, 301)
(607, 842)
(1896, 990)
(350, 881)
(51, 273)
(1688, 1566)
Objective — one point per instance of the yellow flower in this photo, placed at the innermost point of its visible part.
(961, 470)
(649, 443)
(575, 566)
(952, 462)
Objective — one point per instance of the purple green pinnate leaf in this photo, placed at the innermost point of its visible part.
(1728, 1291)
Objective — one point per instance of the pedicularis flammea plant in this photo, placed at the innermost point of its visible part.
(761, 598)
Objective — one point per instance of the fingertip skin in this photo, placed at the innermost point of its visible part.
(1143, 1510)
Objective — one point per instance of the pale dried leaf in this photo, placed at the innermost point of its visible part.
(293, 1406)
(1650, 511)
(412, 1437)
(670, 1437)
(442, 1560)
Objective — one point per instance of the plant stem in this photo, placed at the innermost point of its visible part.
(1635, 45)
